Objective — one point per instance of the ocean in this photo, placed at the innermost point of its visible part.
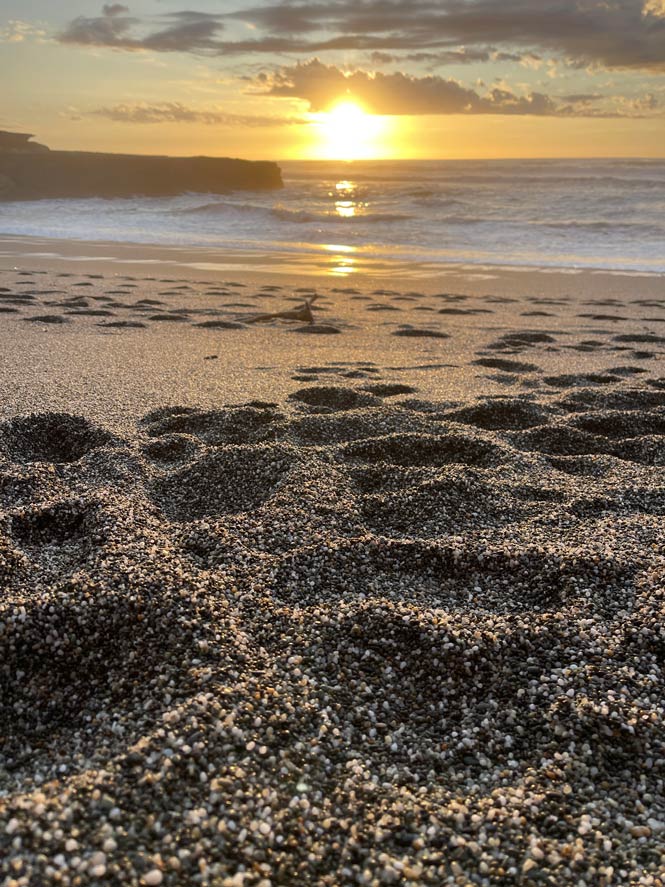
(568, 214)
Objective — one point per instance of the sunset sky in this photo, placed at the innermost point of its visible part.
(447, 78)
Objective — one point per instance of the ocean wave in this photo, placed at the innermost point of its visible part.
(217, 207)
(629, 228)
(305, 216)
(600, 178)
(433, 178)
(461, 219)
(434, 201)
(286, 214)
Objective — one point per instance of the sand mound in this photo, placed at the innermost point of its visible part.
(508, 366)
(235, 479)
(332, 398)
(423, 449)
(56, 524)
(622, 423)
(501, 413)
(171, 449)
(233, 425)
(50, 437)
(47, 318)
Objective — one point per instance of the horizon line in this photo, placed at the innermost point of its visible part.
(641, 157)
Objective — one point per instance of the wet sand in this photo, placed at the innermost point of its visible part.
(374, 600)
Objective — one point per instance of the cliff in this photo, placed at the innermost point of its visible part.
(19, 143)
(29, 175)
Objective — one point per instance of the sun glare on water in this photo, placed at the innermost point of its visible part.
(347, 132)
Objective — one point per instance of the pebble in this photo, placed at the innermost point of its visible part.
(640, 831)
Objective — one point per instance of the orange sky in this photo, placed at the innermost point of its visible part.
(257, 80)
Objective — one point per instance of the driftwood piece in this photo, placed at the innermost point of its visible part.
(301, 315)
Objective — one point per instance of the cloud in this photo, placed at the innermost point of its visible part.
(582, 98)
(461, 56)
(109, 29)
(612, 33)
(616, 33)
(194, 32)
(655, 8)
(397, 93)
(114, 9)
(638, 106)
(18, 32)
(174, 112)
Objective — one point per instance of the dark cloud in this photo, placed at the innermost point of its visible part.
(582, 98)
(514, 57)
(461, 56)
(191, 32)
(110, 29)
(114, 9)
(396, 94)
(614, 33)
(174, 112)
(194, 32)
(442, 58)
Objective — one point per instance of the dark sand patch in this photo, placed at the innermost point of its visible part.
(611, 317)
(220, 325)
(169, 318)
(509, 366)
(641, 338)
(47, 318)
(519, 340)
(572, 380)
(389, 389)
(90, 312)
(464, 311)
(123, 324)
(318, 329)
(421, 334)
(332, 398)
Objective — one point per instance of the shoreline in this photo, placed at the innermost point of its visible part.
(335, 262)
(121, 337)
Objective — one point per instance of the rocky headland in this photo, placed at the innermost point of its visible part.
(29, 171)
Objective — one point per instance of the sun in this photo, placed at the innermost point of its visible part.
(348, 132)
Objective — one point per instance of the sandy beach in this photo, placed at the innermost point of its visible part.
(376, 599)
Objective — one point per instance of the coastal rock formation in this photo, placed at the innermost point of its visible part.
(29, 171)
(19, 143)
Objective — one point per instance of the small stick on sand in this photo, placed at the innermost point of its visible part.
(299, 314)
